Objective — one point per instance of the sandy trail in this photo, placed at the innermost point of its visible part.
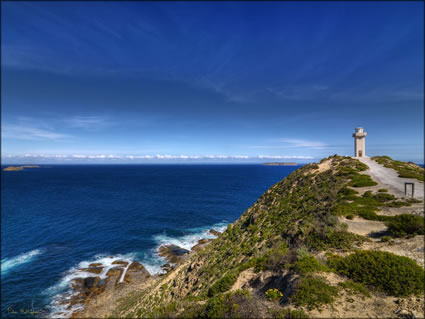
(388, 178)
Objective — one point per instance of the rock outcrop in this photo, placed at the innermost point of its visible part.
(173, 254)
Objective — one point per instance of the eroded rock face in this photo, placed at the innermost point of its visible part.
(88, 287)
(173, 254)
(201, 244)
(136, 271)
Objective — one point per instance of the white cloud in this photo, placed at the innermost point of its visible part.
(165, 157)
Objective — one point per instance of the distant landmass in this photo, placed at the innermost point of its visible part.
(281, 164)
(18, 168)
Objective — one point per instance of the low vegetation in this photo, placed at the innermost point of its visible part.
(408, 170)
(390, 273)
(289, 314)
(223, 284)
(406, 225)
(281, 234)
(308, 264)
(235, 304)
(313, 292)
(367, 205)
(355, 288)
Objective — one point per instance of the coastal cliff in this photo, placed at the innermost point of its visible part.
(326, 241)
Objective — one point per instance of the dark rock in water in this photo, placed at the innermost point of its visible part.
(214, 232)
(96, 265)
(136, 272)
(91, 282)
(120, 262)
(174, 254)
(167, 267)
(85, 289)
(94, 270)
(201, 244)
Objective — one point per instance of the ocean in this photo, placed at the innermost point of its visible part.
(58, 218)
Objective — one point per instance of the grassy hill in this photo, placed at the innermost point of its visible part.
(290, 254)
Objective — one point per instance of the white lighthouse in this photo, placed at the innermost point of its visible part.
(359, 142)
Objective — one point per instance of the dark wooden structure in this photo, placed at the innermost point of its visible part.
(413, 188)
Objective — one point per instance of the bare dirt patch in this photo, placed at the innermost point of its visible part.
(362, 226)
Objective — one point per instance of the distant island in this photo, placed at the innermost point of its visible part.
(281, 164)
(19, 168)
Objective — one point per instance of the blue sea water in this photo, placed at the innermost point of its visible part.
(57, 218)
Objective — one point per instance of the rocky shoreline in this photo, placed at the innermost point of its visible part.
(104, 281)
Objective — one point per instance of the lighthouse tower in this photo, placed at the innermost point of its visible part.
(359, 142)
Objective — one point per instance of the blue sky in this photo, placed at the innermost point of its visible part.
(136, 82)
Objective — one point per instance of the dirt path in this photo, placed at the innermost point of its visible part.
(388, 178)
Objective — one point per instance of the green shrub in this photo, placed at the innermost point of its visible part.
(360, 180)
(413, 200)
(350, 216)
(367, 194)
(289, 314)
(334, 239)
(395, 275)
(397, 204)
(382, 190)
(369, 214)
(385, 238)
(355, 287)
(313, 292)
(347, 191)
(223, 284)
(308, 264)
(406, 224)
(382, 197)
(230, 305)
(273, 259)
(274, 294)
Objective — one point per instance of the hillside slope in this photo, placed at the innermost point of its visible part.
(293, 255)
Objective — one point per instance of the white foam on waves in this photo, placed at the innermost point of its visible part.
(153, 261)
(9, 263)
(62, 292)
(191, 239)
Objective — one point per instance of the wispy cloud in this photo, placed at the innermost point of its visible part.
(306, 92)
(291, 143)
(22, 132)
(28, 128)
(88, 122)
(302, 143)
